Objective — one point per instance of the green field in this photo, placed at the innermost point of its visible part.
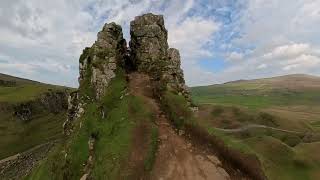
(287, 103)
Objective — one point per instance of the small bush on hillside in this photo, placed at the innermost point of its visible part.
(291, 140)
(244, 117)
(266, 119)
(301, 161)
(217, 111)
(235, 110)
(177, 109)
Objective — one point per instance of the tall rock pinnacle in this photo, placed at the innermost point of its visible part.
(99, 63)
(173, 74)
(150, 53)
(148, 43)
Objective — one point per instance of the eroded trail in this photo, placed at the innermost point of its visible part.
(176, 158)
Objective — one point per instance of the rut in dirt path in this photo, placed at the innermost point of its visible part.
(176, 158)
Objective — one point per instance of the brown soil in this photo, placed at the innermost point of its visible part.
(135, 165)
(177, 157)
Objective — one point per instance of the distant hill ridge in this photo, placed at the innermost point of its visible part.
(292, 81)
(18, 80)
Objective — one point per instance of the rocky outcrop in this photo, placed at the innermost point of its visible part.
(75, 110)
(173, 74)
(51, 102)
(98, 64)
(23, 111)
(150, 54)
(148, 43)
(54, 101)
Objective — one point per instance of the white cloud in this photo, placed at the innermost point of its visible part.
(235, 56)
(301, 62)
(262, 66)
(196, 75)
(287, 51)
(192, 35)
(18, 68)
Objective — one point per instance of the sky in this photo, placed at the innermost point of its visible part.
(219, 40)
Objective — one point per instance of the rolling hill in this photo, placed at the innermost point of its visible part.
(284, 90)
(275, 118)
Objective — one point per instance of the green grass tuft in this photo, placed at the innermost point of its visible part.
(177, 109)
(152, 150)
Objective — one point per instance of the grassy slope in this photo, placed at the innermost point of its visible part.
(114, 138)
(294, 98)
(280, 91)
(293, 102)
(17, 136)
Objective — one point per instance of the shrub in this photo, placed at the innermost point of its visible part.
(217, 111)
(177, 109)
(291, 140)
(266, 119)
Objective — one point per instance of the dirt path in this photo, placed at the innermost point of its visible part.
(176, 158)
(254, 126)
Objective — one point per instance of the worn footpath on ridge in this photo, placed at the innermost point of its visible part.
(176, 158)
